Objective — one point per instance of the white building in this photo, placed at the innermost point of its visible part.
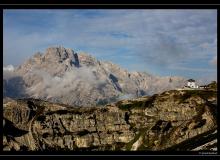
(191, 83)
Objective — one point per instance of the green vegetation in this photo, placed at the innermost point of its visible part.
(136, 103)
(204, 94)
(103, 102)
(130, 105)
(212, 85)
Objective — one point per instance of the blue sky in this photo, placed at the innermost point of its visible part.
(162, 42)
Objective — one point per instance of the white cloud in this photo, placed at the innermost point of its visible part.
(214, 61)
(65, 84)
(157, 37)
(8, 68)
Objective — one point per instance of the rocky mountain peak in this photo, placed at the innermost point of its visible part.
(60, 54)
(55, 60)
(88, 80)
(87, 59)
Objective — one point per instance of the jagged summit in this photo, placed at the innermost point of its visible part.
(61, 54)
(54, 60)
(65, 55)
(56, 55)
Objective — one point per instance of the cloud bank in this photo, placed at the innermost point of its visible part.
(54, 86)
(214, 61)
(142, 40)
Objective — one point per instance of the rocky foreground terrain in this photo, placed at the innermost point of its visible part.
(173, 120)
(60, 75)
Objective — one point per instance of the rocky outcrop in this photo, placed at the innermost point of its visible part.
(172, 120)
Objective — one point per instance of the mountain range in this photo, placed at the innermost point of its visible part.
(61, 75)
(66, 101)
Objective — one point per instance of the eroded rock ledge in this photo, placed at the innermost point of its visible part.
(148, 123)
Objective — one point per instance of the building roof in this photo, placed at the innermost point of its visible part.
(191, 80)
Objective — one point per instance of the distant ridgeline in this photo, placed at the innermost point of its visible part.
(62, 76)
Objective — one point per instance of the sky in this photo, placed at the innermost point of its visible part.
(160, 42)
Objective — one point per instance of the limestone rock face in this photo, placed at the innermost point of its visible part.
(62, 76)
(172, 120)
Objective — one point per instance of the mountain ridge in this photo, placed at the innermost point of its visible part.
(61, 75)
(170, 121)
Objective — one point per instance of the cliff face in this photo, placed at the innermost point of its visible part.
(172, 120)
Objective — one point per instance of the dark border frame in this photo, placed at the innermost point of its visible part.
(109, 6)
